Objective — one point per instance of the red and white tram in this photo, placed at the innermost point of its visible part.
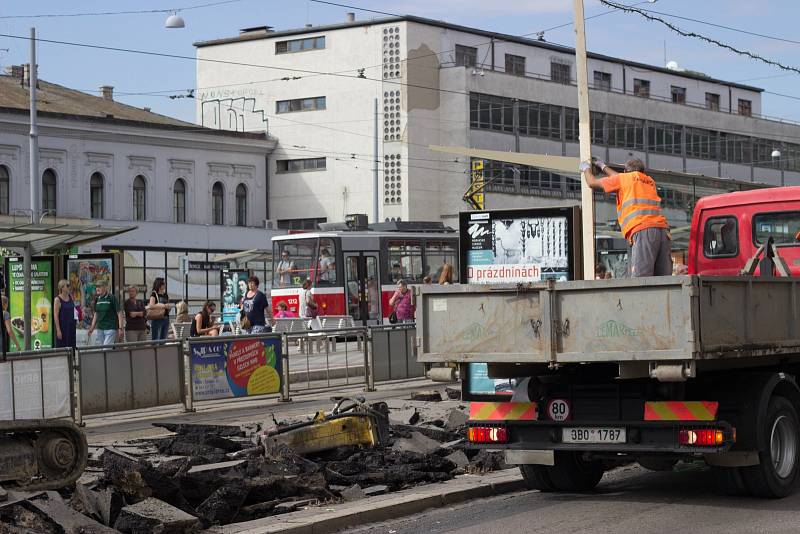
(354, 270)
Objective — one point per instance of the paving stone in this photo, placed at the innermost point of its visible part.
(458, 458)
(456, 420)
(417, 443)
(153, 515)
(353, 493)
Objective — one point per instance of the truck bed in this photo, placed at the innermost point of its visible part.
(659, 319)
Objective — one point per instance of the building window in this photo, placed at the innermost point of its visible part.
(300, 165)
(664, 138)
(466, 56)
(49, 192)
(139, 198)
(96, 195)
(301, 224)
(179, 201)
(560, 72)
(316, 103)
(701, 143)
(218, 203)
(5, 189)
(641, 88)
(745, 107)
(241, 205)
(602, 80)
(712, 101)
(625, 132)
(515, 65)
(300, 45)
(678, 95)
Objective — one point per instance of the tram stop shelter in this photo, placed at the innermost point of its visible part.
(48, 237)
(240, 259)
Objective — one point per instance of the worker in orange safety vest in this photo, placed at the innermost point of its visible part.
(640, 216)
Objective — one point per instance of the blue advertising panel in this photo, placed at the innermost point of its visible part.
(227, 368)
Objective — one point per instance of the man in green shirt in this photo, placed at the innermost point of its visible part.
(107, 319)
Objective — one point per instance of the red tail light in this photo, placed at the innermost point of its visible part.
(701, 437)
(488, 434)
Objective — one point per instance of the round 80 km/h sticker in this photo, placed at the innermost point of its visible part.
(558, 410)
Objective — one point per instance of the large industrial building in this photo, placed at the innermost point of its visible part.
(441, 84)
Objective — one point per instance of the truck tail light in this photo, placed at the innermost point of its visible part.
(701, 437)
(488, 434)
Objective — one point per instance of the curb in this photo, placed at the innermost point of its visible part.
(320, 520)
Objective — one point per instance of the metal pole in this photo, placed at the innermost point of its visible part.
(584, 131)
(375, 170)
(34, 189)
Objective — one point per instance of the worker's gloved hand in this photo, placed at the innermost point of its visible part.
(600, 163)
(585, 166)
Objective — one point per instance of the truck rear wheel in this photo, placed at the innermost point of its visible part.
(536, 478)
(572, 472)
(777, 473)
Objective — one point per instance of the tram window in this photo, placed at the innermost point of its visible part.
(405, 261)
(294, 262)
(327, 262)
(437, 253)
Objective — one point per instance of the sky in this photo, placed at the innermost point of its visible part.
(617, 34)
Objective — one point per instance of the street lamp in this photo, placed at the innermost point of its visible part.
(174, 21)
(776, 153)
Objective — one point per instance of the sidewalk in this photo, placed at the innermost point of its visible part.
(322, 519)
(106, 428)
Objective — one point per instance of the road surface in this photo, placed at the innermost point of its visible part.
(630, 500)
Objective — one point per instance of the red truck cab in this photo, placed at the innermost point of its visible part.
(727, 229)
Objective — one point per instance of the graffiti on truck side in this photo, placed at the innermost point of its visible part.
(612, 328)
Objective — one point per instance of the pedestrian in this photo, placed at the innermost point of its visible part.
(284, 269)
(640, 216)
(107, 318)
(446, 277)
(158, 308)
(135, 322)
(401, 302)
(284, 312)
(255, 307)
(182, 312)
(309, 309)
(66, 316)
(600, 272)
(8, 330)
(203, 324)
(327, 267)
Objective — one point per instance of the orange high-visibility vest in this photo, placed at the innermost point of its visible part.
(638, 204)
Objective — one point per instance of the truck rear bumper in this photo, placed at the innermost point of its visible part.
(640, 436)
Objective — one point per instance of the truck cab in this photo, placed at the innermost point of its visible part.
(727, 229)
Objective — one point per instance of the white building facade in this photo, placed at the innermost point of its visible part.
(441, 84)
(188, 190)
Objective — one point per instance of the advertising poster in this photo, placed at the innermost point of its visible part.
(511, 247)
(83, 275)
(234, 287)
(223, 369)
(41, 326)
(502, 248)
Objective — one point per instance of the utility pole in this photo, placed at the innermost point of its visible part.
(375, 180)
(34, 182)
(584, 135)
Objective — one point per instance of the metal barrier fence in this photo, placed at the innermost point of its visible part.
(393, 352)
(37, 385)
(129, 376)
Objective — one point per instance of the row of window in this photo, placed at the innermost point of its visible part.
(300, 165)
(561, 72)
(489, 112)
(300, 45)
(300, 104)
(97, 197)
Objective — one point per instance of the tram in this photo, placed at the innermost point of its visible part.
(354, 268)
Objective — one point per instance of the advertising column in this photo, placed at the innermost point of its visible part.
(41, 326)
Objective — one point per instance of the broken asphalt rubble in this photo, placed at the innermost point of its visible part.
(203, 475)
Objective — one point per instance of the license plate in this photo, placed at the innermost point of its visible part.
(587, 434)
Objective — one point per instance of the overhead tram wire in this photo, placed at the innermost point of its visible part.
(131, 12)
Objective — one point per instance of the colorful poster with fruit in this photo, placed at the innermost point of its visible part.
(225, 368)
(41, 301)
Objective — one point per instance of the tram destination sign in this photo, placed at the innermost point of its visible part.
(208, 265)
